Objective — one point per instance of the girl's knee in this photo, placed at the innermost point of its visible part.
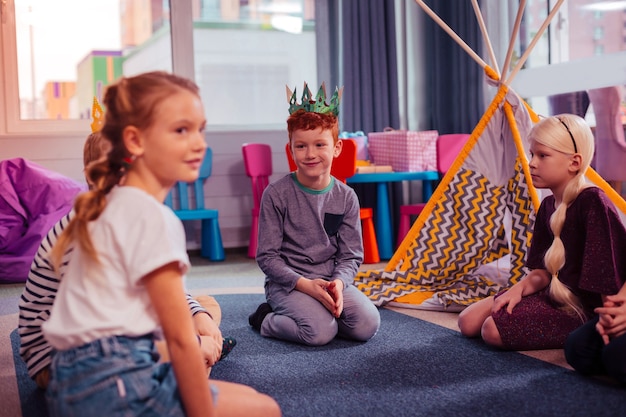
(490, 334)
(470, 320)
(469, 324)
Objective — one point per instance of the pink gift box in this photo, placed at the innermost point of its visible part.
(404, 150)
(361, 143)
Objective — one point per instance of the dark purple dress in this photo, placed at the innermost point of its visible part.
(594, 239)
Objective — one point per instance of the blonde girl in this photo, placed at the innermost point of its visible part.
(123, 284)
(575, 255)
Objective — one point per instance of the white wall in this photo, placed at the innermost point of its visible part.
(266, 71)
(228, 189)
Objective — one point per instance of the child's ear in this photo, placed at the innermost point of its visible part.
(576, 162)
(133, 140)
(338, 148)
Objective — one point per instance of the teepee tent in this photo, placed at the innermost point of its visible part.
(472, 237)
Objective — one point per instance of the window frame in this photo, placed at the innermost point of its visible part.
(542, 81)
(11, 124)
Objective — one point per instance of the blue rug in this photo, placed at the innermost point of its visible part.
(410, 368)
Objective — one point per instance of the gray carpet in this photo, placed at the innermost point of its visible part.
(410, 368)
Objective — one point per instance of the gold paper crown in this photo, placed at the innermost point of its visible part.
(319, 104)
(98, 116)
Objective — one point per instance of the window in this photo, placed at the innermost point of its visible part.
(582, 49)
(599, 50)
(598, 33)
(244, 52)
(55, 63)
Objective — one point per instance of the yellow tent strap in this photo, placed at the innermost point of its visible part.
(613, 195)
(508, 111)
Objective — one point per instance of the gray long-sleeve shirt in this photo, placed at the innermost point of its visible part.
(310, 233)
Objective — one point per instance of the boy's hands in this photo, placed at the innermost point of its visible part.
(329, 293)
(335, 289)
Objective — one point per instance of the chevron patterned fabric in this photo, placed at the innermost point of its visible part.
(480, 213)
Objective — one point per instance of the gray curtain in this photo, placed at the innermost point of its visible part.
(454, 80)
(368, 71)
(369, 65)
(327, 35)
(366, 65)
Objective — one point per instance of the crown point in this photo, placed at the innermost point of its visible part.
(318, 105)
(97, 115)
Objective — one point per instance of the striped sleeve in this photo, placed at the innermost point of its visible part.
(195, 306)
(36, 301)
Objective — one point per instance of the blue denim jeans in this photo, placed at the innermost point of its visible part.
(113, 376)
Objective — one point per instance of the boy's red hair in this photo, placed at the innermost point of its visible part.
(306, 120)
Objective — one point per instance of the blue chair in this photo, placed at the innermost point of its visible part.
(191, 207)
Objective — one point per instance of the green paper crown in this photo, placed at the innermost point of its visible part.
(319, 104)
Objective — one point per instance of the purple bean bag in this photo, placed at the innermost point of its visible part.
(32, 200)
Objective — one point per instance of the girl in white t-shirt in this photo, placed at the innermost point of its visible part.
(124, 282)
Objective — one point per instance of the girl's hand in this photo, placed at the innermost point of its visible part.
(211, 350)
(206, 326)
(509, 299)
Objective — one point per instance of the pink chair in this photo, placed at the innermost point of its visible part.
(448, 147)
(257, 158)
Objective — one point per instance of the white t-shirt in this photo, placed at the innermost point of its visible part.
(134, 235)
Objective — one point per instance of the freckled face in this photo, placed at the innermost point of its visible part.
(313, 152)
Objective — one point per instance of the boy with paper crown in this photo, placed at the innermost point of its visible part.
(311, 247)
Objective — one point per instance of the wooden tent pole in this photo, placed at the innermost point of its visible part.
(453, 34)
(532, 44)
(518, 22)
(486, 39)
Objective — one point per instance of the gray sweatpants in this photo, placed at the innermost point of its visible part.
(300, 318)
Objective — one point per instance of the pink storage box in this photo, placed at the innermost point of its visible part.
(404, 150)
(361, 143)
